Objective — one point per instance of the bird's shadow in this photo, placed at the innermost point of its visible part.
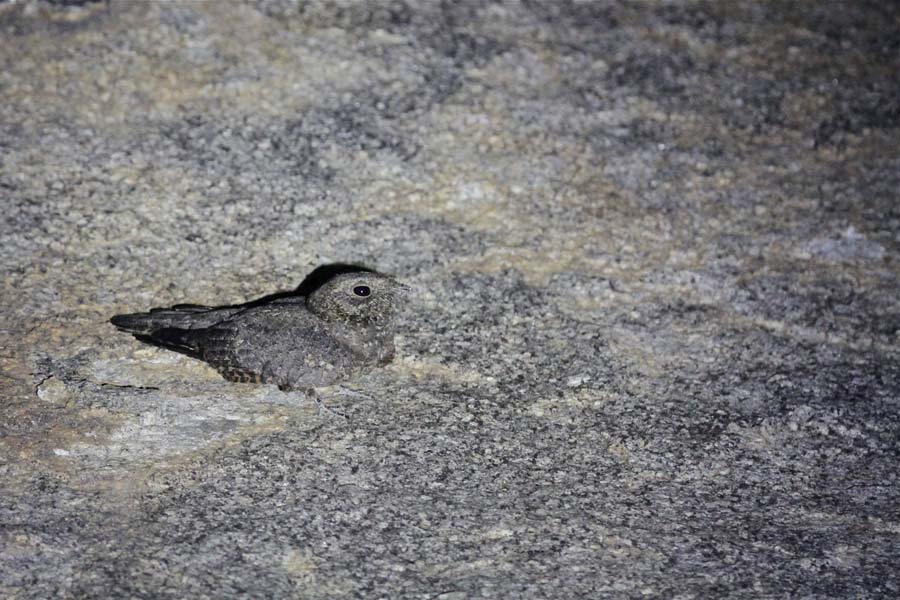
(313, 281)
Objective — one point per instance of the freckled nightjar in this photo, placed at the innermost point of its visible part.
(333, 332)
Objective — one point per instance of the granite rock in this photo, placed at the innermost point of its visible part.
(652, 348)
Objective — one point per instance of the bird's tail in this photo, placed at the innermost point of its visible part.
(184, 341)
(186, 316)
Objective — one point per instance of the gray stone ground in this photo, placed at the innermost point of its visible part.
(653, 348)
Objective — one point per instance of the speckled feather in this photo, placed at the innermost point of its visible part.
(324, 338)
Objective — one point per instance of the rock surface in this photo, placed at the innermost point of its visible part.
(653, 348)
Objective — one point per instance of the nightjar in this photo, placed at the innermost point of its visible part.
(327, 335)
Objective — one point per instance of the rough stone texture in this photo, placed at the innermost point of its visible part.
(653, 349)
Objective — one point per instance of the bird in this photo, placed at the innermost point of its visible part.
(338, 324)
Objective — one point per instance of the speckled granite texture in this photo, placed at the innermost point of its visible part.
(652, 349)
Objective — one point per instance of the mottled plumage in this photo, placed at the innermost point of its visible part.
(342, 327)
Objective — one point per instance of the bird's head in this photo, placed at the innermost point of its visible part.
(357, 298)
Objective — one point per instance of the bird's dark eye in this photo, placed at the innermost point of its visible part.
(362, 290)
